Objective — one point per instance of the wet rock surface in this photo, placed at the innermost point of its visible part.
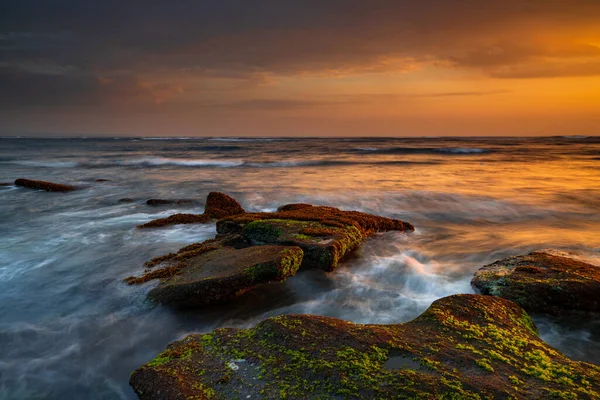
(325, 234)
(462, 347)
(212, 273)
(43, 185)
(542, 282)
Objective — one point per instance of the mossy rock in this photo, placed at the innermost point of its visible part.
(43, 185)
(326, 234)
(462, 347)
(324, 246)
(542, 281)
(218, 205)
(221, 274)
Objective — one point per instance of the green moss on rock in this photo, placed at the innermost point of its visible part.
(542, 281)
(303, 356)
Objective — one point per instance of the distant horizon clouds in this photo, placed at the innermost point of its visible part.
(300, 68)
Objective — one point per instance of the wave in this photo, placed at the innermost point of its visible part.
(178, 162)
(208, 163)
(46, 164)
(421, 150)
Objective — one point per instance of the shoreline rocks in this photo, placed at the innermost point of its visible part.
(542, 281)
(43, 185)
(218, 270)
(463, 346)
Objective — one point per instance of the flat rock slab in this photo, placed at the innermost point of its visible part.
(542, 281)
(325, 234)
(43, 185)
(222, 274)
(462, 347)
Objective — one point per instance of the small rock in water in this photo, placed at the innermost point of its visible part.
(43, 185)
(162, 202)
(126, 200)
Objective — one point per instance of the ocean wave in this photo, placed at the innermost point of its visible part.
(421, 150)
(46, 164)
(179, 162)
(207, 163)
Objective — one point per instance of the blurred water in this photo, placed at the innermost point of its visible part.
(69, 327)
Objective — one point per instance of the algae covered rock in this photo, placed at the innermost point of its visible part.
(210, 274)
(218, 205)
(462, 347)
(542, 281)
(43, 185)
(325, 234)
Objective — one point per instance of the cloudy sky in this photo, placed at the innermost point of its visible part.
(300, 67)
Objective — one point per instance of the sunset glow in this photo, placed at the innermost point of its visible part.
(292, 68)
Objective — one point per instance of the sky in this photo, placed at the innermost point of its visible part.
(300, 67)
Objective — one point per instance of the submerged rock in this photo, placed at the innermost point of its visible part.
(162, 202)
(325, 234)
(462, 347)
(126, 200)
(207, 276)
(43, 185)
(542, 281)
(6, 184)
(218, 205)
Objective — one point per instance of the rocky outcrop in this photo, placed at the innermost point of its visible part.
(462, 347)
(212, 273)
(325, 234)
(542, 281)
(314, 236)
(218, 205)
(43, 185)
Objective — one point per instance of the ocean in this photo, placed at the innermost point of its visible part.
(70, 328)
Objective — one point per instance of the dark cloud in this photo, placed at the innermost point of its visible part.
(91, 52)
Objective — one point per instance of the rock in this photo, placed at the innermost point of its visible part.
(325, 234)
(462, 347)
(162, 202)
(103, 180)
(126, 200)
(542, 281)
(209, 276)
(218, 205)
(42, 185)
(176, 219)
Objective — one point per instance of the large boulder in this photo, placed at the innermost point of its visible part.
(542, 281)
(325, 234)
(218, 205)
(211, 273)
(462, 347)
(43, 185)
